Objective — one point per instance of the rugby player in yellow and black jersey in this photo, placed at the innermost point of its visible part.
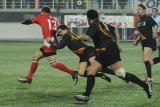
(148, 32)
(85, 53)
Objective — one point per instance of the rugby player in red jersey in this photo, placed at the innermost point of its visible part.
(48, 25)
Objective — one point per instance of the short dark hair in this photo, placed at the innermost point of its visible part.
(143, 7)
(63, 27)
(46, 9)
(155, 9)
(92, 14)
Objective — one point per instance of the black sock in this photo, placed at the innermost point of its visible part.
(90, 84)
(108, 71)
(132, 78)
(148, 68)
(98, 74)
(156, 60)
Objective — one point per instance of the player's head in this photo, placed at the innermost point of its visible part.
(92, 15)
(154, 12)
(141, 9)
(46, 10)
(62, 30)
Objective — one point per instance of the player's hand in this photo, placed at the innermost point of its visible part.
(53, 44)
(120, 49)
(135, 42)
(27, 22)
(75, 77)
(154, 35)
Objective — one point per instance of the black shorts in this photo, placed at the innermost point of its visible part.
(109, 56)
(88, 52)
(149, 43)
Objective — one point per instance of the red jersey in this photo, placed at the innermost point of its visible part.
(48, 24)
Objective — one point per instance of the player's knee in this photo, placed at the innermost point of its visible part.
(91, 59)
(150, 59)
(82, 68)
(92, 70)
(52, 62)
(120, 72)
(91, 73)
(145, 58)
(36, 56)
(83, 74)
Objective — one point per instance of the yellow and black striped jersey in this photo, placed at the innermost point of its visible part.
(101, 34)
(72, 43)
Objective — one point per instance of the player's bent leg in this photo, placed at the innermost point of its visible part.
(103, 76)
(109, 71)
(120, 72)
(59, 65)
(152, 62)
(132, 78)
(93, 68)
(146, 85)
(62, 67)
(156, 60)
(36, 57)
(83, 73)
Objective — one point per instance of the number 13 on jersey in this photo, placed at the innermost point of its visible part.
(53, 24)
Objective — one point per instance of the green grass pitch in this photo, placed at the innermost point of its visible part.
(54, 88)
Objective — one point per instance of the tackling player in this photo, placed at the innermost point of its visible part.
(86, 53)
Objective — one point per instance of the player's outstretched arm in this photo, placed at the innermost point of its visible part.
(117, 38)
(135, 42)
(155, 30)
(83, 37)
(65, 40)
(27, 22)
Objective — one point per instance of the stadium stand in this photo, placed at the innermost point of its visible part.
(24, 9)
(63, 4)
